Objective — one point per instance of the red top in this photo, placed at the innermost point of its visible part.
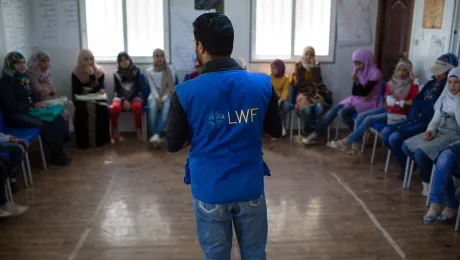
(398, 110)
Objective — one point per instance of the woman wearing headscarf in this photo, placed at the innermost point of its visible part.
(197, 71)
(17, 102)
(128, 95)
(41, 81)
(400, 91)
(160, 78)
(312, 94)
(443, 130)
(280, 83)
(91, 108)
(366, 94)
(421, 111)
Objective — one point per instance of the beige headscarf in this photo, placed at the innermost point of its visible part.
(81, 67)
(400, 87)
(306, 63)
(167, 80)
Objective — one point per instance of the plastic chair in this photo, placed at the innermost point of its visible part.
(8, 192)
(457, 223)
(29, 135)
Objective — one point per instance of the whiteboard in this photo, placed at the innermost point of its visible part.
(56, 30)
(354, 24)
(182, 47)
(13, 12)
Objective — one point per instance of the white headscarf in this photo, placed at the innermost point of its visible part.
(447, 100)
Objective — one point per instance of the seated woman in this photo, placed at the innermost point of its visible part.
(366, 94)
(447, 165)
(280, 83)
(91, 108)
(421, 111)
(312, 94)
(444, 129)
(16, 100)
(127, 96)
(41, 82)
(197, 71)
(160, 78)
(241, 62)
(7, 209)
(400, 91)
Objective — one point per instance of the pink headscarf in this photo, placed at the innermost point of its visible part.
(370, 72)
(80, 69)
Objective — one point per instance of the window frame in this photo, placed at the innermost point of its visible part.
(136, 59)
(294, 58)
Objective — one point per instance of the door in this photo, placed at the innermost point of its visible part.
(393, 34)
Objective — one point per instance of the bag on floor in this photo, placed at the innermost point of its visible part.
(48, 114)
(393, 118)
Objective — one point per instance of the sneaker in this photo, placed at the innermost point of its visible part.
(155, 138)
(4, 213)
(283, 134)
(14, 209)
(425, 190)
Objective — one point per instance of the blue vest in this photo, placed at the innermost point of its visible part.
(225, 111)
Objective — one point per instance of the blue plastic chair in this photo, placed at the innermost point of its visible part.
(29, 135)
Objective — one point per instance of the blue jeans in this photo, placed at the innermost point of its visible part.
(366, 120)
(311, 114)
(158, 127)
(345, 113)
(214, 224)
(442, 180)
(424, 163)
(393, 137)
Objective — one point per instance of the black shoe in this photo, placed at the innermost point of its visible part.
(61, 160)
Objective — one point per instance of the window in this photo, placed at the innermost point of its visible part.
(282, 28)
(135, 26)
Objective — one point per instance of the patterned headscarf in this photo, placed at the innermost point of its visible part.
(9, 67)
(34, 67)
(280, 67)
(400, 87)
(130, 73)
(370, 72)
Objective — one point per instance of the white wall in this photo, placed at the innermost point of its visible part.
(420, 41)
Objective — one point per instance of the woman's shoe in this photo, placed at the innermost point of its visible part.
(433, 213)
(61, 160)
(447, 215)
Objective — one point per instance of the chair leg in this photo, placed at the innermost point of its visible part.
(291, 121)
(429, 187)
(411, 170)
(144, 127)
(329, 133)
(387, 163)
(373, 148)
(457, 224)
(24, 173)
(28, 169)
(298, 129)
(406, 172)
(336, 130)
(42, 153)
(9, 193)
(364, 142)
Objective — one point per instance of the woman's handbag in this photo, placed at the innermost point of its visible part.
(48, 114)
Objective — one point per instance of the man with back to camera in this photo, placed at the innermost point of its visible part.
(223, 113)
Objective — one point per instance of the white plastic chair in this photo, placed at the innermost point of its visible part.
(8, 193)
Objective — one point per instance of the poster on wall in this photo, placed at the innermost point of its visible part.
(217, 5)
(437, 44)
(432, 14)
(353, 22)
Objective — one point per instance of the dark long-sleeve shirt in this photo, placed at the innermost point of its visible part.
(15, 98)
(78, 86)
(362, 91)
(135, 91)
(178, 130)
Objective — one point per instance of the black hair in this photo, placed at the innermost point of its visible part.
(123, 54)
(215, 32)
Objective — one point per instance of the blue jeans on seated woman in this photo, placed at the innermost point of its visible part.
(215, 223)
(442, 180)
(424, 163)
(345, 113)
(311, 114)
(394, 136)
(158, 127)
(366, 120)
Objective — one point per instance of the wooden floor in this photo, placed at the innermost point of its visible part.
(128, 202)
